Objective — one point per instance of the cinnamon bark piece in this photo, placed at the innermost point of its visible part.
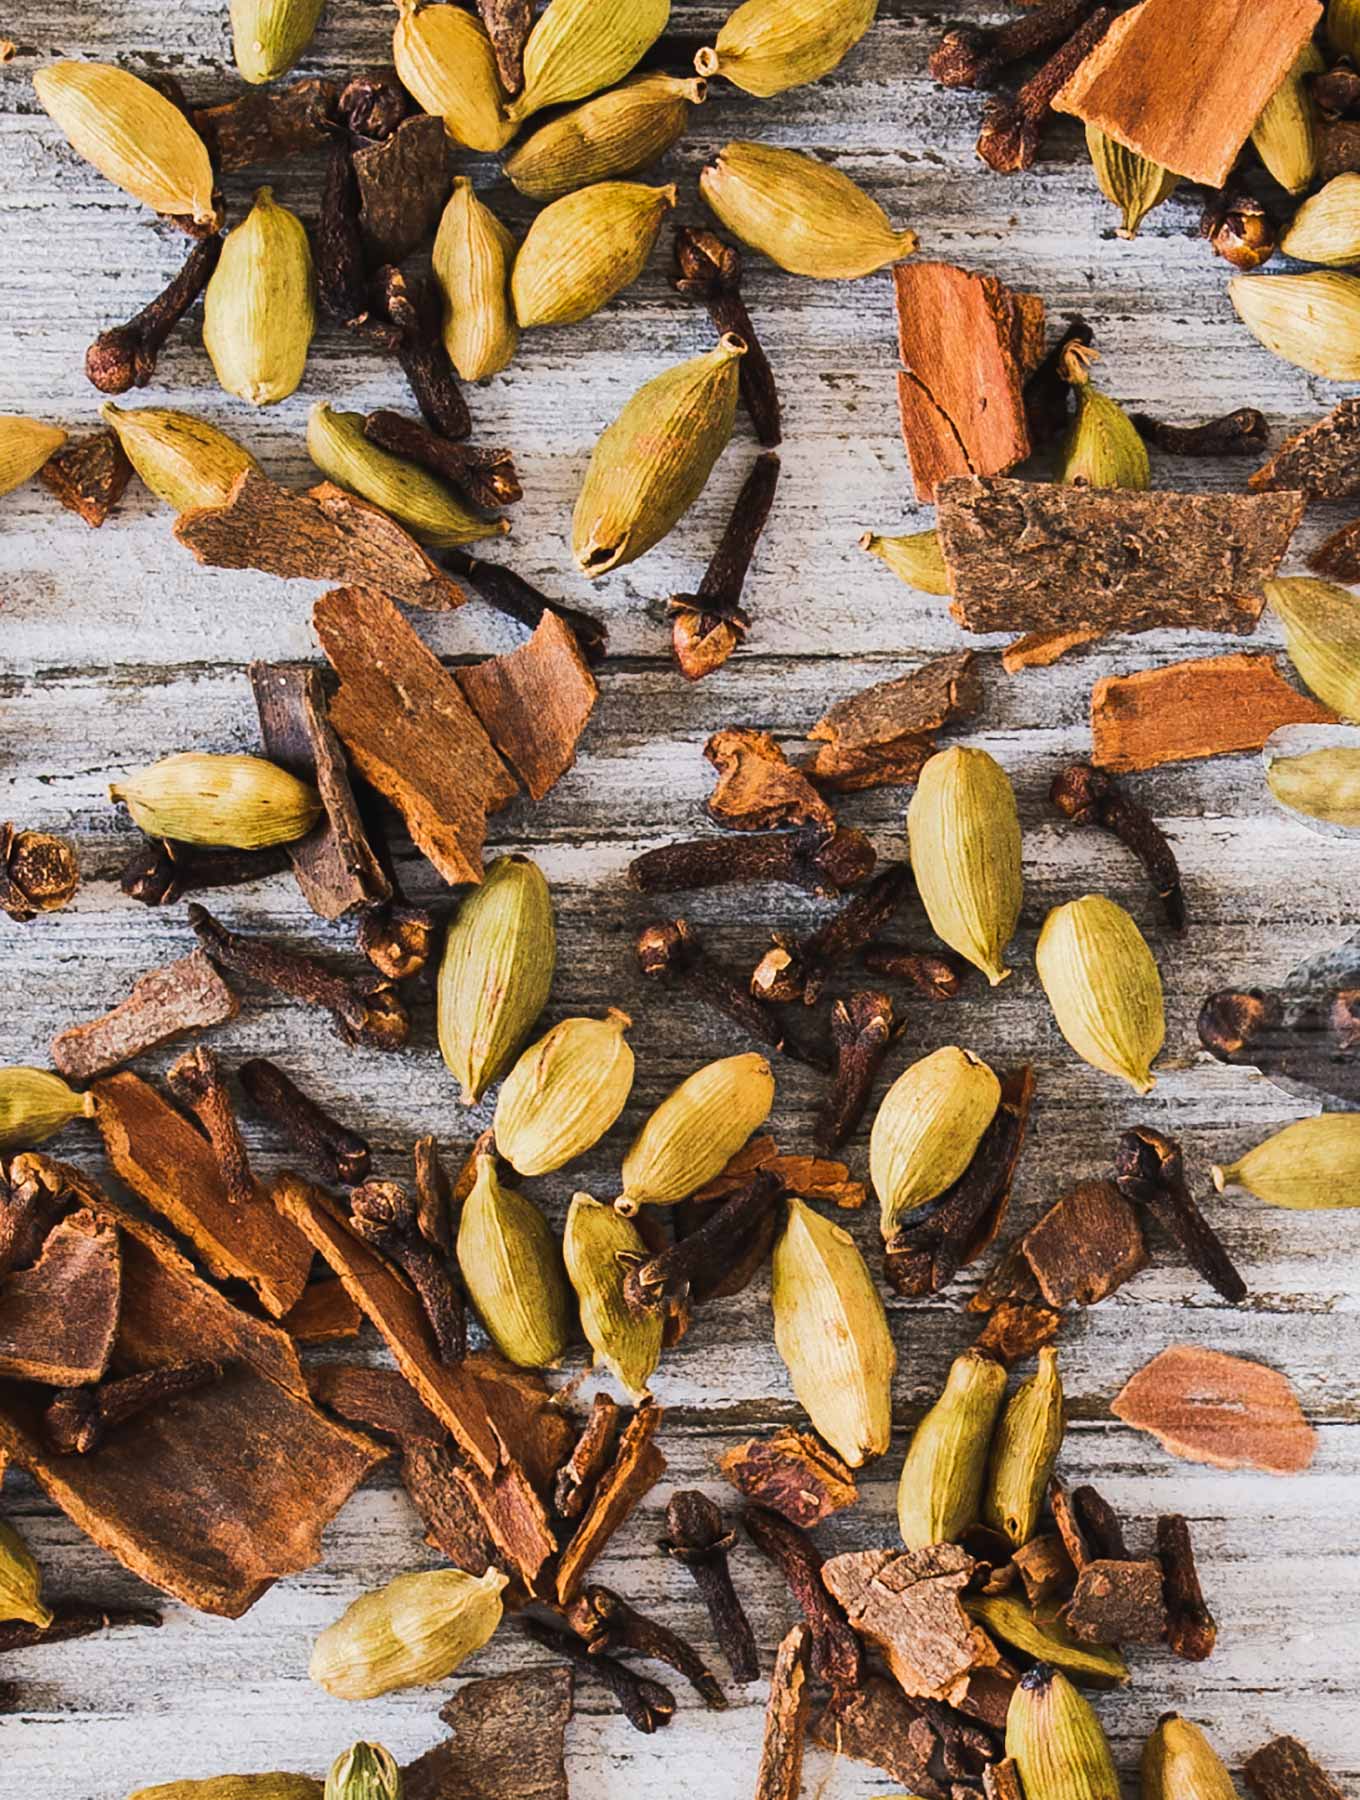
(1039, 649)
(779, 1774)
(168, 1163)
(793, 1473)
(1284, 1770)
(882, 735)
(1045, 1568)
(516, 1521)
(403, 182)
(335, 864)
(1034, 556)
(453, 1522)
(758, 788)
(1190, 1628)
(1184, 86)
(58, 1317)
(1015, 1329)
(967, 343)
(1323, 459)
(1213, 706)
(907, 1605)
(412, 735)
(809, 1177)
(323, 1314)
(268, 124)
(1085, 1246)
(575, 1480)
(323, 534)
(1214, 1408)
(89, 476)
(1338, 556)
(380, 1400)
(535, 702)
(875, 1723)
(508, 1743)
(164, 1004)
(1001, 1781)
(1117, 1602)
(637, 1466)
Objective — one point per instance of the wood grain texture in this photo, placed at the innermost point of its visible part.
(117, 648)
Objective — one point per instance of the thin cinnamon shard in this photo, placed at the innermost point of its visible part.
(907, 1605)
(758, 788)
(1015, 1329)
(793, 1473)
(323, 534)
(535, 702)
(508, 1743)
(88, 476)
(58, 1317)
(877, 1724)
(1039, 649)
(403, 182)
(1214, 1408)
(1191, 1630)
(1001, 1781)
(590, 1456)
(1323, 459)
(1213, 706)
(1117, 1602)
(411, 733)
(379, 1400)
(322, 1314)
(168, 1163)
(1338, 556)
(1045, 1568)
(883, 735)
(779, 1775)
(164, 1004)
(810, 1177)
(453, 1523)
(1085, 1246)
(1284, 1770)
(637, 1466)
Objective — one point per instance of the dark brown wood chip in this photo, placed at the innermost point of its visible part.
(380, 1400)
(1323, 459)
(876, 1723)
(1190, 1627)
(575, 1481)
(1044, 1568)
(58, 1317)
(88, 476)
(268, 124)
(1338, 556)
(1015, 1329)
(535, 702)
(793, 1473)
(1085, 1246)
(779, 1775)
(637, 1467)
(1117, 1603)
(508, 1743)
(324, 1314)
(403, 183)
(883, 735)
(907, 1605)
(188, 995)
(453, 1521)
(1001, 1781)
(1284, 1769)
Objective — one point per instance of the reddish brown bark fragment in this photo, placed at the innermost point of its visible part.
(1001, 1781)
(508, 1743)
(793, 1473)
(1086, 1245)
(453, 1521)
(380, 1400)
(268, 124)
(1323, 459)
(535, 702)
(877, 1724)
(403, 183)
(1190, 1628)
(1284, 1770)
(810, 1177)
(1213, 706)
(515, 1518)
(323, 1314)
(907, 1605)
(1210, 1407)
(58, 1318)
(521, 1406)
(1045, 1568)
(1117, 1603)
(779, 1775)
(89, 476)
(1073, 1538)
(883, 735)
(637, 1466)
(758, 789)
(1015, 1329)
(590, 1456)
(1338, 556)
(188, 995)
(1038, 649)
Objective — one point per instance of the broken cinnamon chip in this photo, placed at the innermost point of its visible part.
(515, 1519)
(1117, 1602)
(758, 787)
(58, 1317)
(1284, 1770)
(1045, 1568)
(1015, 1329)
(793, 1473)
(637, 1466)
(1323, 459)
(323, 1314)
(1210, 1407)
(1190, 1628)
(809, 1177)
(508, 1743)
(907, 1605)
(1213, 706)
(88, 476)
(1039, 649)
(883, 735)
(535, 702)
(1085, 1246)
(1338, 556)
(403, 182)
(453, 1522)
(164, 1004)
(779, 1774)
(876, 1723)
(575, 1480)
(379, 1400)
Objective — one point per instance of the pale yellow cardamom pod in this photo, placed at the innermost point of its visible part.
(1312, 1164)
(512, 1268)
(1312, 321)
(652, 463)
(939, 1495)
(35, 1104)
(696, 1130)
(564, 1093)
(239, 802)
(964, 833)
(425, 505)
(135, 137)
(1129, 181)
(1323, 784)
(495, 973)
(1007, 1617)
(927, 1129)
(444, 57)
(20, 1581)
(584, 248)
(1024, 1451)
(236, 1787)
(183, 460)
(25, 445)
(259, 308)
(1343, 28)
(599, 1247)
(1286, 136)
(832, 1333)
(578, 47)
(916, 559)
(804, 215)
(1179, 1763)
(1322, 635)
(364, 1772)
(412, 1632)
(1326, 228)
(473, 252)
(610, 135)
(1102, 447)
(1102, 983)
(1056, 1742)
(766, 46)
(268, 36)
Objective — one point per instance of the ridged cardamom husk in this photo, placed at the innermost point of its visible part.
(364, 1772)
(1343, 28)
(832, 1333)
(135, 137)
(495, 972)
(564, 1093)
(236, 1787)
(1312, 321)
(928, 1128)
(444, 58)
(964, 833)
(412, 1632)
(1323, 784)
(240, 802)
(473, 252)
(1286, 136)
(940, 1493)
(1311, 1164)
(35, 1104)
(802, 214)
(599, 1247)
(259, 308)
(578, 47)
(1322, 635)
(610, 135)
(766, 46)
(916, 559)
(585, 248)
(1179, 1763)
(1056, 1742)
(1129, 181)
(695, 1131)
(268, 36)
(1008, 1617)
(512, 1269)
(1102, 983)
(652, 463)
(20, 1581)
(1326, 228)
(183, 460)
(1024, 1451)
(25, 445)
(1102, 447)
(426, 506)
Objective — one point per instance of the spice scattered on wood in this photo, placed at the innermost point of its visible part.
(380, 1400)
(907, 1605)
(1015, 1329)
(792, 1473)
(1014, 124)
(486, 478)
(39, 873)
(758, 789)
(164, 1004)
(199, 1084)
(384, 1215)
(1238, 433)
(972, 57)
(1323, 460)
(1213, 706)
(1190, 1628)
(534, 703)
(709, 270)
(647, 1705)
(575, 1480)
(78, 1419)
(863, 1030)
(876, 1723)
(836, 1657)
(125, 355)
(1210, 1407)
(1085, 1246)
(609, 1624)
(453, 1522)
(1150, 1171)
(1117, 1601)
(935, 974)
(636, 1468)
(508, 1743)
(707, 626)
(707, 1252)
(798, 969)
(403, 182)
(1338, 556)
(1284, 1770)
(325, 1314)
(518, 599)
(882, 736)
(807, 859)
(268, 124)
(1090, 796)
(88, 476)
(809, 1177)
(163, 871)
(59, 1316)
(779, 1774)
(341, 1154)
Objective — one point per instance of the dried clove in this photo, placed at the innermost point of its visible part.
(1238, 227)
(434, 1196)
(836, 1654)
(1048, 395)
(863, 1030)
(425, 362)
(486, 477)
(609, 1624)
(970, 57)
(667, 1277)
(1313, 1044)
(38, 873)
(78, 1420)
(1239, 433)
(708, 625)
(518, 599)
(338, 247)
(125, 356)
(1191, 1630)
(646, 1705)
(88, 476)
(374, 104)
(1091, 796)
(826, 866)
(341, 1155)
(1149, 1171)
(798, 970)
(938, 974)
(709, 270)
(197, 1082)
(1013, 123)
(384, 1215)
(267, 125)
(161, 872)
(30, 1205)
(186, 995)
(396, 937)
(73, 1621)
(697, 1538)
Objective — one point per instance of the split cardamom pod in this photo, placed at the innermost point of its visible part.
(1286, 136)
(495, 973)
(473, 252)
(939, 1495)
(927, 1129)
(610, 135)
(20, 1581)
(564, 1093)
(832, 1333)
(25, 445)
(35, 1104)
(1326, 228)
(1102, 447)
(1322, 636)
(1312, 321)
(652, 463)
(512, 1269)
(236, 1787)
(916, 559)
(239, 802)
(444, 58)
(1129, 181)
(134, 136)
(1102, 983)
(1312, 1164)
(766, 46)
(584, 248)
(1179, 1763)
(1343, 28)
(578, 47)
(259, 307)
(804, 215)
(1007, 1617)
(964, 833)
(1323, 784)
(364, 1772)
(599, 1246)
(183, 460)
(1056, 1742)
(412, 1632)
(696, 1130)
(1024, 1451)
(268, 36)
(428, 508)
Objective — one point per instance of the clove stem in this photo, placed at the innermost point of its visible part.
(798, 970)
(608, 1624)
(1239, 433)
(836, 1656)
(808, 859)
(1089, 796)
(862, 1031)
(161, 871)
(669, 951)
(342, 1155)
(198, 1082)
(698, 1538)
(709, 270)
(647, 1705)
(668, 1276)
(125, 355)
(518, 599)
(384, 1215)
(78, 1419)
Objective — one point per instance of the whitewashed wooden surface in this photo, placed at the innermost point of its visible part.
(117, 648)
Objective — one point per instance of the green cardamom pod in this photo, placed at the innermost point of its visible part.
(1311, 1164)
(1286, 136)
(513, 1272)
(964, 833)
(444, 57)
(239, 802)
(259, 308)
(916, 559)
(1326, 228)
(1102, 983)
(364, 1772)
(1343, 28)
(1024, 1451)
(927, 1129)
(1322, 784)
(599, 1246)
(428, 508)
(183, 460)
(608, 136)
(1102, 447)
(1312, 321)
(584, 248)
(412, 1632)
(35, 1104)
(236, 1787)
(564, 1093)
(25, 445)
(1056, 1742)
(20, 1581)
(473, 252)
(578, 47)
(766, 46)
(268, 36)
(696, 1131)
(1129, 181)
(1007, 1617)
(1322, 635)
(495, 973)
(804, 215)
(1179, 1763)
(940, 1493)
